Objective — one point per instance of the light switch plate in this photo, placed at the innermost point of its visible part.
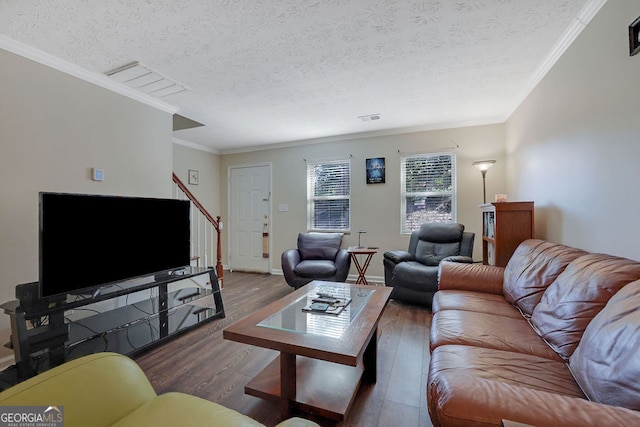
(97, 174)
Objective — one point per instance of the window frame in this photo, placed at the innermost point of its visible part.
(404, 225)
(311, 198)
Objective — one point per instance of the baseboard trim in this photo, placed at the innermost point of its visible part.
(377, 280)
(7, 361)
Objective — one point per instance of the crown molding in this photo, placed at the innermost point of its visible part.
(97, 79)
(195, 146)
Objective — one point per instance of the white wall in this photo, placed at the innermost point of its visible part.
(573, 146)
(375, 207)
(53, 129)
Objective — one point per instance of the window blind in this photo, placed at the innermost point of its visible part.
(329, 195)
(428, 190)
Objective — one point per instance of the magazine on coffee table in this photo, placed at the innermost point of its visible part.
(326, 305)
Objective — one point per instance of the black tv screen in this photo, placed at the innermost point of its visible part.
(88, 241)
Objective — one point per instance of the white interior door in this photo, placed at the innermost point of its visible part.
(250, 201)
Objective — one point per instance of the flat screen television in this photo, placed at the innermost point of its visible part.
(89, 241)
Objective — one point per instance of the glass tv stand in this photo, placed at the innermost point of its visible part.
(127, 317)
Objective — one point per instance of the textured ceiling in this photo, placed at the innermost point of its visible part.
(273, 71)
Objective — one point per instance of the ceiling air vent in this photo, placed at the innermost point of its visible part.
(369, 117)
(144, 79)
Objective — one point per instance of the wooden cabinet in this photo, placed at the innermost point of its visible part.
(504, 227)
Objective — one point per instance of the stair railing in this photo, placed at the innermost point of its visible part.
(204, 230)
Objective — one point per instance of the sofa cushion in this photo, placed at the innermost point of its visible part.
(319, 245)
(318, 269)
(414, 275)
(479, 302)
(524, 370)
(437, 241)
(606, 363)
(438, 232)
(458, 327)
(535, 264)
(578, 295)
(471, 386)
(430, 254)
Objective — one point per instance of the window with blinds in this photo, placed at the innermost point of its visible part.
(329, 195)
(428, 190)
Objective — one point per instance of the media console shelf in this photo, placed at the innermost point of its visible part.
(126, 317)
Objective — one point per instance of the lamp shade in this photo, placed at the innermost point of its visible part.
(483, 165)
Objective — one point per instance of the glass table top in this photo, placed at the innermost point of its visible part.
(293, 318)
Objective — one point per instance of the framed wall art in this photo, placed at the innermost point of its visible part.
(193, 177)
(375, 170)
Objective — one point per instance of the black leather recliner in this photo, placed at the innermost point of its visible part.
(413, 274)
(318, 256)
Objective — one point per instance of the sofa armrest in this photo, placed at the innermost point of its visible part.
(297, 422)
(288, 260)
(180, 409)
(471, 277)
(398, 256)
(343, 264)
(458, 258)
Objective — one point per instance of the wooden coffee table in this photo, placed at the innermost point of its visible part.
(323, 357)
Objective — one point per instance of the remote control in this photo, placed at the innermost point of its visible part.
(327, 300)
(325, 295)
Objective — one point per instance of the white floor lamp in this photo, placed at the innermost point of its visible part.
(483, 166)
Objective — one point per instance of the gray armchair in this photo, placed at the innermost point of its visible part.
(318, 256)
(413, 273)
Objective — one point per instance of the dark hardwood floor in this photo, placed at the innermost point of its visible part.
(202, 363)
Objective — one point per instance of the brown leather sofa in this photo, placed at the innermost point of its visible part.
(552, 339)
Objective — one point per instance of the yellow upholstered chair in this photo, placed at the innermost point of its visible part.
(109, 389)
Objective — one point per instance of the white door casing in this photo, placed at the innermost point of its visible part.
(249, 217)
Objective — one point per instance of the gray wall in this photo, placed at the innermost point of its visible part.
(573, 146)
(374, 207)
(53, 129)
